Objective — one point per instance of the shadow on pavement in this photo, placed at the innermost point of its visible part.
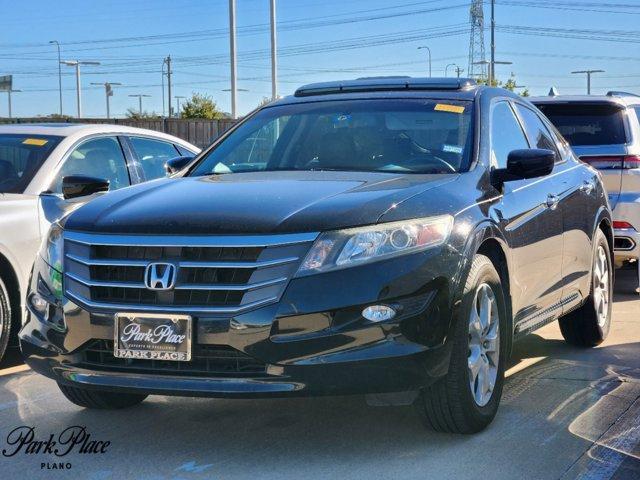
(567, 415)
(573, 412)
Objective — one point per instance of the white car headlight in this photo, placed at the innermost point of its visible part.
(355, 246)
(52, 249)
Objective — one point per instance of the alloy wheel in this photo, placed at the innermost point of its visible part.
(601, 292)
(484, 344)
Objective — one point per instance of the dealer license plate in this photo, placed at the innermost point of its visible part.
(153, 336)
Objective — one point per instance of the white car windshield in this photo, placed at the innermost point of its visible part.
(21, 156)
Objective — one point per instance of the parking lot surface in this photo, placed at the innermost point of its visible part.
(566, 413)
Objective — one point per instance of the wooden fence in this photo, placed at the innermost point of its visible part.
(199, 132)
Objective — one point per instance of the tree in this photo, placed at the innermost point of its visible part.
(134, 114)
(201, 106)
(510, 84)
(264, 101)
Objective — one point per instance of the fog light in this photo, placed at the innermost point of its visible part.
(40, 305)
(378, 313)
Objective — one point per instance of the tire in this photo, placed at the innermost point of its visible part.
(589, 325)
(5, 319)
(450, 405)
(100, 399)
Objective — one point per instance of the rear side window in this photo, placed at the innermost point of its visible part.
(637, 110)
(184, 152)
(506, 134)
(152, 155)
(588, 124)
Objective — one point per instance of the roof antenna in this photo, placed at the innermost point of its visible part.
(553, 92)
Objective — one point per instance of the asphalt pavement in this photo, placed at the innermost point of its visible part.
(566, 413)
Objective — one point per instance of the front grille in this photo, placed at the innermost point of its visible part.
(206, 360)
(220, 274)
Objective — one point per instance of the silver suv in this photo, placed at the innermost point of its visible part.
(604, 131)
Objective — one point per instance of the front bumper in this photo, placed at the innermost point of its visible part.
(310, 343)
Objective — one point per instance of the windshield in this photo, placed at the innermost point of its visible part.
(408, 136)
(20, 158)
(587, 124)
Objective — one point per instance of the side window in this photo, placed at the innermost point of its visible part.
(101, 158)
(536, 130)
(506, 134)
(184, 152)
(152, 155)
(563, 146)
(637, 110)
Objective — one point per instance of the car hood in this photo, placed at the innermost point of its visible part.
(259, 202)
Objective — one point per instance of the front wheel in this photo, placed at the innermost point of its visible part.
(466, 399)
(589, 325)
(100, 399)
(5, 319)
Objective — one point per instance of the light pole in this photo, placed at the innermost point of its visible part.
(108, 92)
(77, 63)
(428, 50)
(139, 96)
(447, 67)
(57, 44)
(164, 62)
(492, 66)
(232, 54)
(589, 73)
(167, 61)
(274, 59)
(178, 98)
(9, 92)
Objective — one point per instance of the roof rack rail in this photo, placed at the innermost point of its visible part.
(381, 84)
(614, 93)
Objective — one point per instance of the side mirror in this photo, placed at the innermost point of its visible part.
(74, 186)
(176, 164)
(523, 164)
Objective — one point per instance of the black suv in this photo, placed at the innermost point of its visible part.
(382, 236)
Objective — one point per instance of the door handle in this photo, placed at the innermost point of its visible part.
(587, 187)
(552, 201)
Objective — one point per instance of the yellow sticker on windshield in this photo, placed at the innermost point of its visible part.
(39, 142)
(443, 107)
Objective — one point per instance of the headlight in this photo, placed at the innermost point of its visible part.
(51, 250)
(345, 248)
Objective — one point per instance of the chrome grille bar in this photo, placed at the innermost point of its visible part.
(182, 264)
(224, 241)
(168, 308)
(181, 286)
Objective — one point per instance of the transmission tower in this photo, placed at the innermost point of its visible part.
(477, 62)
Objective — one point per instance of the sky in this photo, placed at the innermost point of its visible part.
(318, 40)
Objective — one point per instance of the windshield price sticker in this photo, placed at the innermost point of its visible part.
(443, 107)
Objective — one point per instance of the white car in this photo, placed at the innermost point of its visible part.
(604, 131)
(33, 161)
